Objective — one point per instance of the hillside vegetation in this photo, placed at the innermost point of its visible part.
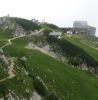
(27, 24)
(88, 44)
(4, 35)
(34, 71)
(79, 58)
(50, 27)
(61, 80)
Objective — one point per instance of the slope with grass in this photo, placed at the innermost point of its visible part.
(51, 27)
(4, 35)
(36, 72)
(64, 48)
(27, 24)
(62, 81)
(86, 43)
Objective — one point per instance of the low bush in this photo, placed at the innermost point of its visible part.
(40, 86)
(52, 96)
(27, 24)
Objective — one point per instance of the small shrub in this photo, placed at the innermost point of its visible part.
(53, 96)
(47, 31)
(40, 86)
(27, 24)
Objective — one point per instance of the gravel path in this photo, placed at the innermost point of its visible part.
(11, 66)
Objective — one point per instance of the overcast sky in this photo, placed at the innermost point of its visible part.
(59, 12)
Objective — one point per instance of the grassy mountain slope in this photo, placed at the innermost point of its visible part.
(27, 24)
(89, 44)
(53, 80)
(59, 78)
(4, 35)
(50, 27)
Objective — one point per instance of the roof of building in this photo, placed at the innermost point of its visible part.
(55, 33)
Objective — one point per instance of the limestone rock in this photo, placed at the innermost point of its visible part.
(19, 31)
(3, 58)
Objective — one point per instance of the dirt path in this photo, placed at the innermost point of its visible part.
(11, 66)
(10, 71)
(9, 40)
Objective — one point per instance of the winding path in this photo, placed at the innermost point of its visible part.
(11, 66)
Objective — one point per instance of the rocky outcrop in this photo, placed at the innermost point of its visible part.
(7, 23)
(47, 50)
(35, 96)
(13, 96)
(19, 31)
(18, 28)
(3, 58)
